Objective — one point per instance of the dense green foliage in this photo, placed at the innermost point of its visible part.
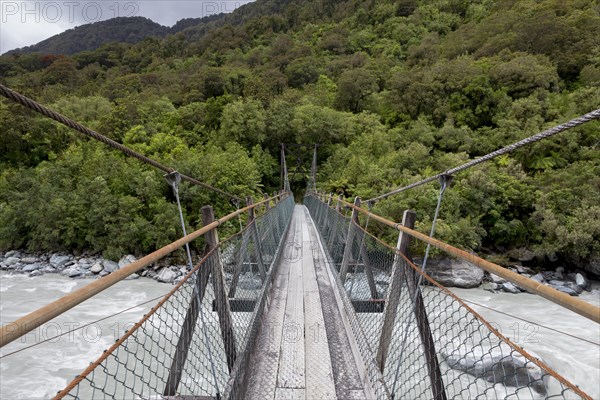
(393, 91)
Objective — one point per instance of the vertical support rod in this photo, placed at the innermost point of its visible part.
(256, 239)
(394, 290)
(189, 323)
(222, 302)
(339, 202)
(268, 203)
(367, 266)
(349, 239)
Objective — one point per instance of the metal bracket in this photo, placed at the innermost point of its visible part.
(173, 179)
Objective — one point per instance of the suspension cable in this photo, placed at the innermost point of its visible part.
(37, 107)
(593, 115)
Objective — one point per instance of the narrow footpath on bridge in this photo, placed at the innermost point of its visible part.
(303, 349)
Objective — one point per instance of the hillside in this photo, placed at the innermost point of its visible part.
(392, 90)
(92, 36)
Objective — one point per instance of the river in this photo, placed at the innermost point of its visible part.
(41, 371)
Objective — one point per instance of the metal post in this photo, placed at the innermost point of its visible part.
(267, 205)
(400, 273)
(349, 239)
(220, 292)
(394, 290)
(255, 238)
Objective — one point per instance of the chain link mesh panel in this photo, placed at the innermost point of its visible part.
(417, 339)
(182, 346)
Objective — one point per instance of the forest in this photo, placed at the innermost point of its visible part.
(392, 91)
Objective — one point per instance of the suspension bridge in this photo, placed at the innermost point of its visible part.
(305, 302)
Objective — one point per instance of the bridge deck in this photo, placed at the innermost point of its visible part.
(303, 350)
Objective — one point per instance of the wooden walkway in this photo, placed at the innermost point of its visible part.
(303, 350)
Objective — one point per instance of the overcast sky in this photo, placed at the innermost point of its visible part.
(23, 23)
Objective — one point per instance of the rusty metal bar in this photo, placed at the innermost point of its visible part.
(29, 322)
(576, 305)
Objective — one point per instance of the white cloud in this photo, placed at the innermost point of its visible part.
(23, 23)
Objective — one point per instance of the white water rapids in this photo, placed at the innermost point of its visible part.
(41, 371)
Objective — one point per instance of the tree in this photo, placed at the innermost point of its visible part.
(354, 86)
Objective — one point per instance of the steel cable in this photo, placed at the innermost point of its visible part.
(37, 107)
(593, 115)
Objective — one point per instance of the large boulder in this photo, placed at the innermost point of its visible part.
(126, 260)
(592, 266)
(58, 261)
(499, 365)
(521, 254)
(166, 275)
(96, 268)
(10, 261)
(454, 273)
(110, 266)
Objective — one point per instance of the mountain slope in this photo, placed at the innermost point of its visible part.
(92, 36)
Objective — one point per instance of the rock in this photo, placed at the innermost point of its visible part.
(510, 288)
(36, 273)
(564, 289)
(490, 287)
(32, 267)
(592, 266)
(523, 270)
(125, 260)
(251, 282)
(96, 268)
(58, 261)
(497, 366)
(521, 254)
(12, 253)
(454, 273)
(582, 282)
(110, 266)
(132, 277)
(11, 261)
(166, 275)
(560, 270)
(556, 282)
(571, 285)
(497, 279)
(29, 260)
(103, 273)
(539, 277)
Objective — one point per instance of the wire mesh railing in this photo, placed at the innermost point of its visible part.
(197, 340)
(416, 338)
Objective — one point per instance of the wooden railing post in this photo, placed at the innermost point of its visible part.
(267, 205)
(349, 239)
(403, 273)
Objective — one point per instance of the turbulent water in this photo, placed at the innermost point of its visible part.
(41, 371)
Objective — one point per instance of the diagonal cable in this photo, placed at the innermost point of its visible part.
(593, 115)
(37, 107)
